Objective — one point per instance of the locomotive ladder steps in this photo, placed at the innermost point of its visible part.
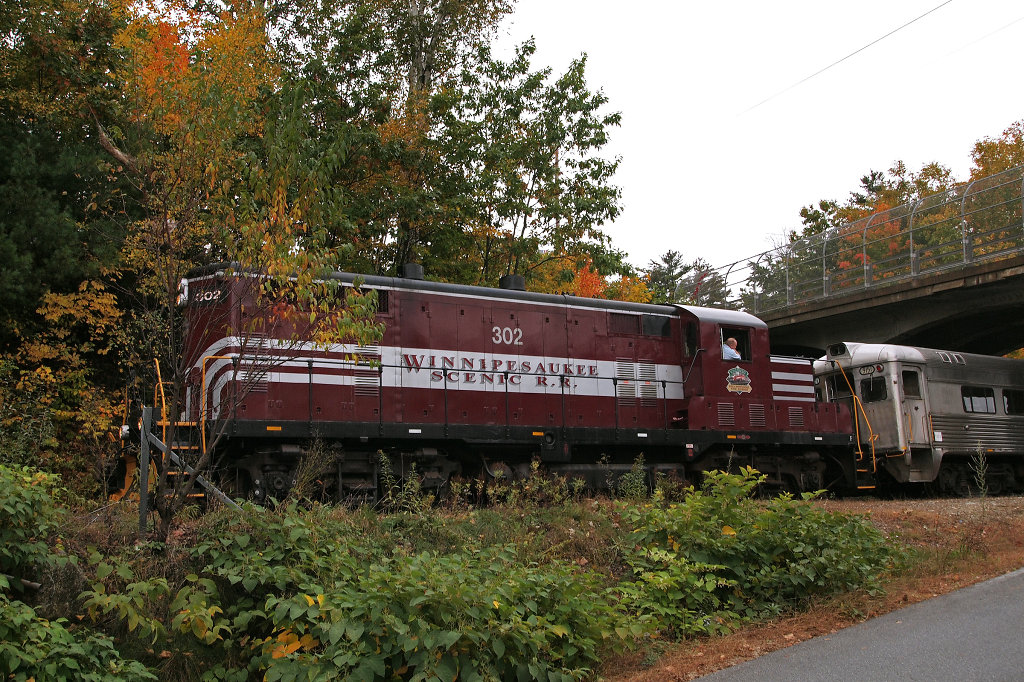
(197, 492)
(865, 479)
(186, 443)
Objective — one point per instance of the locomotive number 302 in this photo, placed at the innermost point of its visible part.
(508, 336)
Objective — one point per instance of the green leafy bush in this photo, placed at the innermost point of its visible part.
(298, 594)
(35, 648)
(720, 557)
(32, 647)
(632, 485)
(28, 516)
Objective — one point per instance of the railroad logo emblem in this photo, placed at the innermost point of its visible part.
(737, 380)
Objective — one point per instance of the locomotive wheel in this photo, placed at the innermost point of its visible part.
(499, 471)
(963, 484)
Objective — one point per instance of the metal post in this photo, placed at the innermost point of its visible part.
(615, 391)
(864, 252)
(380, 398)
(309, 366)
(147, 419)
(561, 381)
(508, 425)
(789, 285)
(664, 403)
(914, 267)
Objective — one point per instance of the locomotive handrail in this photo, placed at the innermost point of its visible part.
(872, 436)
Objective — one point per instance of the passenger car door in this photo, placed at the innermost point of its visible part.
(914, 408)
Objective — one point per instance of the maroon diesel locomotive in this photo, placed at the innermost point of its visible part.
(473, 380)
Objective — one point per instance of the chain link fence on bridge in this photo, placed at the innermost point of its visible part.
(973, 223)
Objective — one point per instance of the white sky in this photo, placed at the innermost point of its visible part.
(704, 174)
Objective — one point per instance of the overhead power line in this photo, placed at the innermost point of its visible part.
(840, 61)
(986, 36)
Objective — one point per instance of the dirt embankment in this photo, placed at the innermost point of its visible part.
(962, 541)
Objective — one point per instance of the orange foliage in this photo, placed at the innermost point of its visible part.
(588, 283)
(632, 289)
(194, 80)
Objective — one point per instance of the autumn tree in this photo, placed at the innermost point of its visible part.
(60, 234)
(992, 207)
(470, 165)
(528, 149)
(219, 147)
(993, 155)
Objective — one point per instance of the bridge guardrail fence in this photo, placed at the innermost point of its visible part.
(973, 223)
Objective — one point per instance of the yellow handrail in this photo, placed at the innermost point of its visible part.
(872, 436)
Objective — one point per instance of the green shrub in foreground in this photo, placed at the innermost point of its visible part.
(294, 595)
(32, 647)
(35, 648)
(721, 557)
(28, 516)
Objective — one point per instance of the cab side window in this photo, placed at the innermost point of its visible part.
(691, 339)
(737, 341)
(1013, 401)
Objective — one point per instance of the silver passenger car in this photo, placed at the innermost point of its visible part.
(931, 416)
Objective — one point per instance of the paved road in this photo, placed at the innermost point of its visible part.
(976, 633)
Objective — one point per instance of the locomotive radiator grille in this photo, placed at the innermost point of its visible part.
(647, 382)
(367, 381)
(254, 376)
(625, 386)
(757, 415)
(726, 414)
(796, 416)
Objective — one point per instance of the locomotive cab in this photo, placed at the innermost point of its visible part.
(883, 386)
(719, 391)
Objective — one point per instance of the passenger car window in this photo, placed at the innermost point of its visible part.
(1013, 401)
(978, 399)
(872, 389)
(911, 385)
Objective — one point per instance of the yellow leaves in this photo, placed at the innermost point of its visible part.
(288, 642)
(199, 628)
(728, 530)
(560, 630)
(497, 604)
(629, 289)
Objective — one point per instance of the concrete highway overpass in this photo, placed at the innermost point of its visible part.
(979, 309)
